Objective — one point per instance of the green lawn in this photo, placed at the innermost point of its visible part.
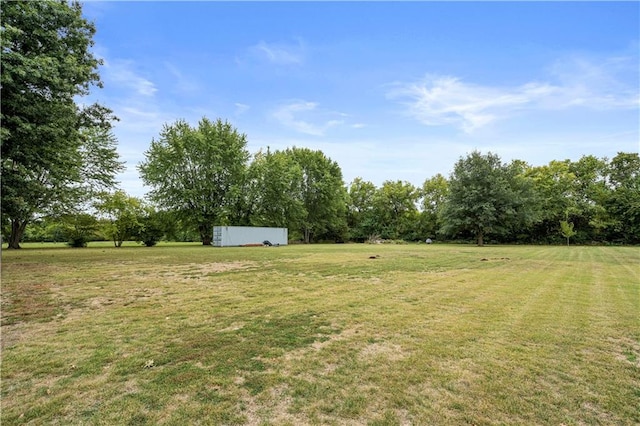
(321, 334)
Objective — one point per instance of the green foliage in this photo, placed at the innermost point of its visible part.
(589, 192)
(322, 194)
(45, 230)
(486, 197)
(80, 229)
(151, 227)
(122, 213)
(51, 153)
(395, 210)
(360, 210)
(274, 191)
(622, 203)
(566, 229)
(434, 196)
(197, 172)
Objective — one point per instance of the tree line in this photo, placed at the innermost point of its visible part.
(59, 166)
(203, 176)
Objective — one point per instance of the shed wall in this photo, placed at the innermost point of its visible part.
(230, 236)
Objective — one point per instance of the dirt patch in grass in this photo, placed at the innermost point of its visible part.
(32, 302)
(12, 334)
(214, 267)
(385, 350)
(189, 271)
(319, 345)
(627, 351)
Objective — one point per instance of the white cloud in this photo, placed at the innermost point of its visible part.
(241, 108)
(602, 85)
(305, 117)
(122, 73)
(440, 100)
(183, 83)
(447, 100)
(279, 53)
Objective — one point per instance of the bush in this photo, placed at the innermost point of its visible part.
(80, 229)
(150, 230)
(78, 241)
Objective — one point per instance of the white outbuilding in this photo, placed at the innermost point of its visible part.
(235, 236)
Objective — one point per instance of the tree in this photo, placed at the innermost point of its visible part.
(123, 213)
(588, 213)
(360, 209)
(197, 172)
(151, 227)
(566, 229)
(554, 186)
(48, 141)
(622, 203)
(434, 196)
(79, 228)
(485, 198)
(395, 210)
(274, 191)
(322, 193)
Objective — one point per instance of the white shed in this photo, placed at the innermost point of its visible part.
(230, 236)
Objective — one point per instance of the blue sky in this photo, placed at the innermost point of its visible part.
(389, 90)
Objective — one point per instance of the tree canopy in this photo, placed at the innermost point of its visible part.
(322, 193)
(54, 152)
(197, 172)
(274, 193)
(485, 197)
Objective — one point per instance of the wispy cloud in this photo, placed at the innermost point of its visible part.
(439, 100)
(448, 100)
(306, 117)
(182, 83)
(123, 73)
(611, 83)
(241, 108)
(280, 53)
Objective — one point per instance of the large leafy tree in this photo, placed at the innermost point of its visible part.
(396, 212)
(274, 191)
(322, 193)
(197, 172)
(361, 217)
(588, 214)
(52, 149)
(555, 187)
(434, 195)
(486, 197)
(623, 201)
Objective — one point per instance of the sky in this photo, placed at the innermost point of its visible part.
(388, 90)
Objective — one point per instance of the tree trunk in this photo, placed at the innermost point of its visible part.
(307, 235)
(17, 230)
(480, 240)
(206, 234)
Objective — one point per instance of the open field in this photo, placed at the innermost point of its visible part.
(321, 334)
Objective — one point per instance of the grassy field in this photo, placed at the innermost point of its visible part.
(321, 334)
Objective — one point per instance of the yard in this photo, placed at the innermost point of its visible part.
(321, 334)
